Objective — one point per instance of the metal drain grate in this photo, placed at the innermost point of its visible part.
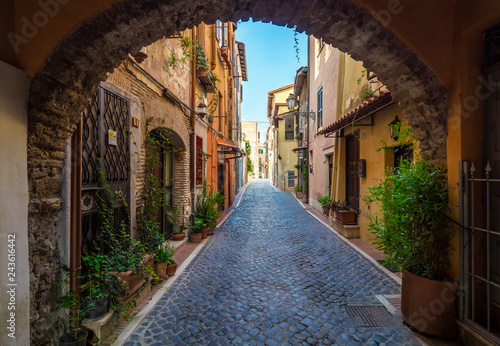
(370, 316)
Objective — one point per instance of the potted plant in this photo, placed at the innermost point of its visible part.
(414, 232)
(325, 202)
(173, 219)
(298, 136)
(164, 262)
(95, 298)
(74, 335)
(299, 191)
(201, 60)
(343, 213)
(298, 166)
(196, 229)
(366, 94)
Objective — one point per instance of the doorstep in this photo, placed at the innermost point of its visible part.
(178, 244)
(106, 326)
(348, 231)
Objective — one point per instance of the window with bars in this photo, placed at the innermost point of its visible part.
(289, 128)
(319, 104)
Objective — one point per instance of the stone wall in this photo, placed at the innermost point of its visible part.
(63, 87)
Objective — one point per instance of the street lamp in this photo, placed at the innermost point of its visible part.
(291, 103)
(392, 128)
(201, 109)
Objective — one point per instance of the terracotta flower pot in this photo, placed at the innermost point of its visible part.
(346, 217)
(429, 306)
(130, 281)
(204, 232)
(195, 237)
(201, 72)
(171, 269)
(178, 236)
(326, 211)
(161, 271)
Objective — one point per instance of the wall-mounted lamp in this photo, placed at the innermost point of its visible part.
(201, 109)
(392, 128)
(291, 103)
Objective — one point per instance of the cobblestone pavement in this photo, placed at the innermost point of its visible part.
(272, 275)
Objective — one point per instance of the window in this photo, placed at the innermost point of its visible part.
(199, 160)
(402, 153)
(221, 33)
(260, 169)
(319, 116)
(289, 133)
(291, 178)
(261, 151)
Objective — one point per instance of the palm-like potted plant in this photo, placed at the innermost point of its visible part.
(343, 213)
(172, 217)
(325, 202)
(413, 230)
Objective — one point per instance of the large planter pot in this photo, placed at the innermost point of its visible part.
(211, 231)
(204, 232)
(195, 237)
(78, 338)
(171, 269)
(300, 194)
(346, 217)
(178, 236)
(428, 305)
(161, 270)
(130, 282)
(98, 309)
(326, 211)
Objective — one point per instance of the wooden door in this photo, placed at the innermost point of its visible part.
(352, 180)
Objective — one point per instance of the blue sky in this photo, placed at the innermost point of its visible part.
(271, 63)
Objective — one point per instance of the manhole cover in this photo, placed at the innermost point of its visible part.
(370, 316)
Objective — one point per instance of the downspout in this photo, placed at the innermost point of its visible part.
(192, 139)
(340, 103)
(307, 114)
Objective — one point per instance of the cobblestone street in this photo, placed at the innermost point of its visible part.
(272, 275)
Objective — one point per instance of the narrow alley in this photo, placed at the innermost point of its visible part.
(273, 274)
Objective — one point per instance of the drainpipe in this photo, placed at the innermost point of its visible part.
(192, 139)
(75, 263)
(307, 114)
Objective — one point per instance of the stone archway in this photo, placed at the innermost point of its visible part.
(65, 84)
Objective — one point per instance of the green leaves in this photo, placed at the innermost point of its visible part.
(411, 227)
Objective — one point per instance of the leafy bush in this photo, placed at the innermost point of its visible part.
(412, 228)
(325, 201)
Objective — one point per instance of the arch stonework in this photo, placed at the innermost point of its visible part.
(64, 86)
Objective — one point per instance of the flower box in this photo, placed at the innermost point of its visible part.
(346, 217)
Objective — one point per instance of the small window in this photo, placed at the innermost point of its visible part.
(402, 153)
(291, 178)
(200, 165)
(319, 116)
